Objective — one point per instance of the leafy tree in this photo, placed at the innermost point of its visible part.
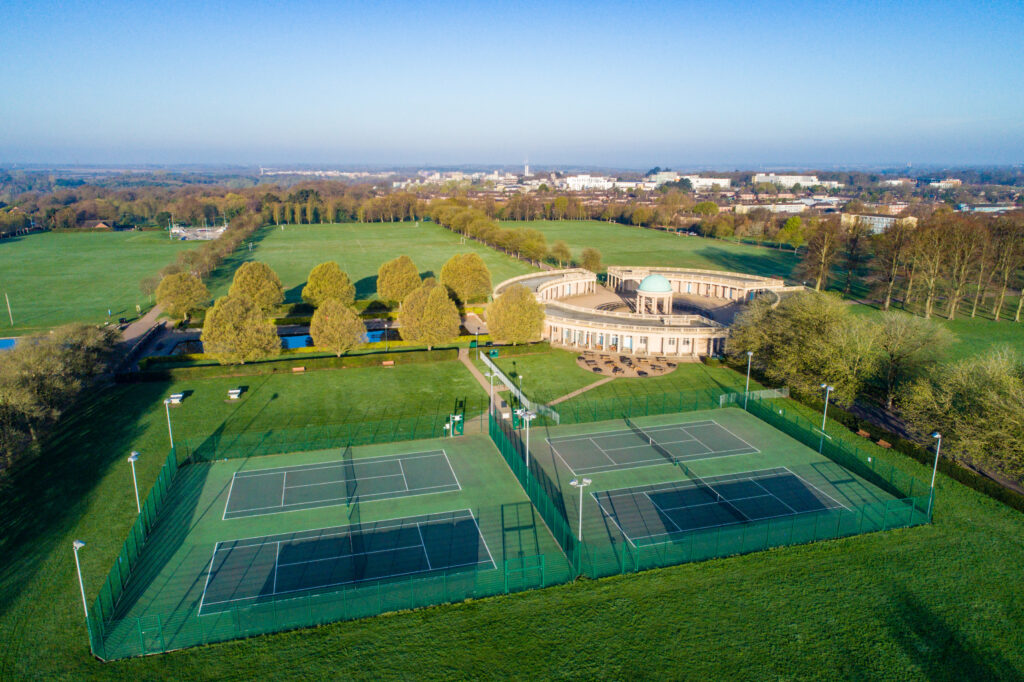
(890, 250)
(908, 346)
(807, 339)
(396, 279)
(822, 249)
(328, 281)
(336, 327)
(706, 208)
(977, 405)
(854, 251)
(181, 293)
(259, 283)
(792, 233)
(592, 259)
(516, 316)
(429, 316)
(236, 331)
(467, 277)
(560, 252)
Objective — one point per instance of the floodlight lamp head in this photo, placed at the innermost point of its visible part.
(78, 544)
(824, 385)
(586, 481)
(574, 483)
(134, 457)
(750, 353)
(936, 434)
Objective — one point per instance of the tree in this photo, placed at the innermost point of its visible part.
(236, 331)
(181, 293)
(854, 251)
(908, 346)
(977, 405)
(561, 253)
(592, 259)
(889, 251)
(396, 279)
(706, 208)
(792, 233)
(1009, 234)
(258, 282)
(328, 281)
(516, 316)
(429, 316)
(336, 327)
(822, 249)
(806, 339)
(467, 277)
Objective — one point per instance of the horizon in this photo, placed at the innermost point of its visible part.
(808, 86)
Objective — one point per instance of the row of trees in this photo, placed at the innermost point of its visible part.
(945, 263)
(39, 379)
(812, 338)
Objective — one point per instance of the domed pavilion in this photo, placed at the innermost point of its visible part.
(654, 296)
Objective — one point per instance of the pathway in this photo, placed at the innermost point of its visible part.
(579, 391)
(464, 357)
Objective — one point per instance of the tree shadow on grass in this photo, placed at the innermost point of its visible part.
(366, 287)
(767, 264)
(47, 496)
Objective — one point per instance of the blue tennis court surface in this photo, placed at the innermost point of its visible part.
(248, 571)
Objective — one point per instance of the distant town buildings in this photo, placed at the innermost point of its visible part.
(948, 183)
(790, 181)
(876, 223)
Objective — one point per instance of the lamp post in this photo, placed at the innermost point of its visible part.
(746, 391)
(824, 414)
(938, 446)
(132, 459)
(167, 408)
(527, 416)
(78, 544)
(580, 483)
(490, 398)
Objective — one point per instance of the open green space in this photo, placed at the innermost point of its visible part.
(623, 245)
(54, 278)
(360, 249)
(941, 601)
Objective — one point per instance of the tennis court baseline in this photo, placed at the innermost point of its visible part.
(594, 453)
(270, 491)
(663, 511)
(260, 569)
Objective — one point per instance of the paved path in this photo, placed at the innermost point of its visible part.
(464, 357)
(579, 391)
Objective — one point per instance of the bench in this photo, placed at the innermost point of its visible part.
(884, 444)
(234, 393)
(298, 369)
(388, 363)
(176, 398)
(863, 434)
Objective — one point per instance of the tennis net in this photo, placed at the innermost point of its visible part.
(350, 474)
(650, 441)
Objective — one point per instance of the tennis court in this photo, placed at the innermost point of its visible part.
(290, 488)
(594, 453)
(257, 569)
(661, 512)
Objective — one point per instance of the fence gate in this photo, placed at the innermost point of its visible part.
(151, 635)
(524, 573)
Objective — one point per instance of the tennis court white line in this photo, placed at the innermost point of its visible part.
(383, 524)
(209, 572)
(817, 488)
(773, 495)
(740, 523)
(671, 485)
(705, 504)
(451, 469)
(658, 508)
(552, 448)
(284, 487)
(613, 519)
(654, 429)
(483, 540)
(316, 504)
(277, 558)
(405, 481)
(730, 432)
(601, 450)
(337, 463)
(643, 464)
(423, 546)
(349, 555)
(341, 480)
(224, 516)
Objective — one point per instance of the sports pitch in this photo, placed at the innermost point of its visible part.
(668, 476)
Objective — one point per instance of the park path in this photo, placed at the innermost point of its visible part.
(579, 391)
(464, 357)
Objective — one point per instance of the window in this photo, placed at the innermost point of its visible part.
(672, 342)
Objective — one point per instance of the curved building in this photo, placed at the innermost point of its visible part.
(636, 313)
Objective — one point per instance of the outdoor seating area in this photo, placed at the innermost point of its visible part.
(616, 365)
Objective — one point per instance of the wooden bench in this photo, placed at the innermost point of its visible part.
(388, 363)
(176, 398)
(234, 393)
(884, 444)
(863, 434)
(298, 369)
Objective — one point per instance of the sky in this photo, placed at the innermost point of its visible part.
(622, 84)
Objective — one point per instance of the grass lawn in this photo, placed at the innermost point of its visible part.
(360, 249)
(545, 376)
(54, 278)
(942, 601)
(623, 245)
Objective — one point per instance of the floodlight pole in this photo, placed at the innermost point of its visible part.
(167, 408)
(528, 417)
(938, 446)
(9, 313)
(824, 414)
(134, 457)
(580, 484)
(746, 391)
(77, 545)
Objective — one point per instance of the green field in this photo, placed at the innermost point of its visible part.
(54, 278)
(622, 245)
(940, 601)
(360, 249)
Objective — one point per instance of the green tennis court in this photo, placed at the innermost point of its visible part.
(291, 488)
(594, 453)
(253, 570)
(661, 512)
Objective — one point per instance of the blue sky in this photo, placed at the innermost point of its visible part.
(630, 84)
